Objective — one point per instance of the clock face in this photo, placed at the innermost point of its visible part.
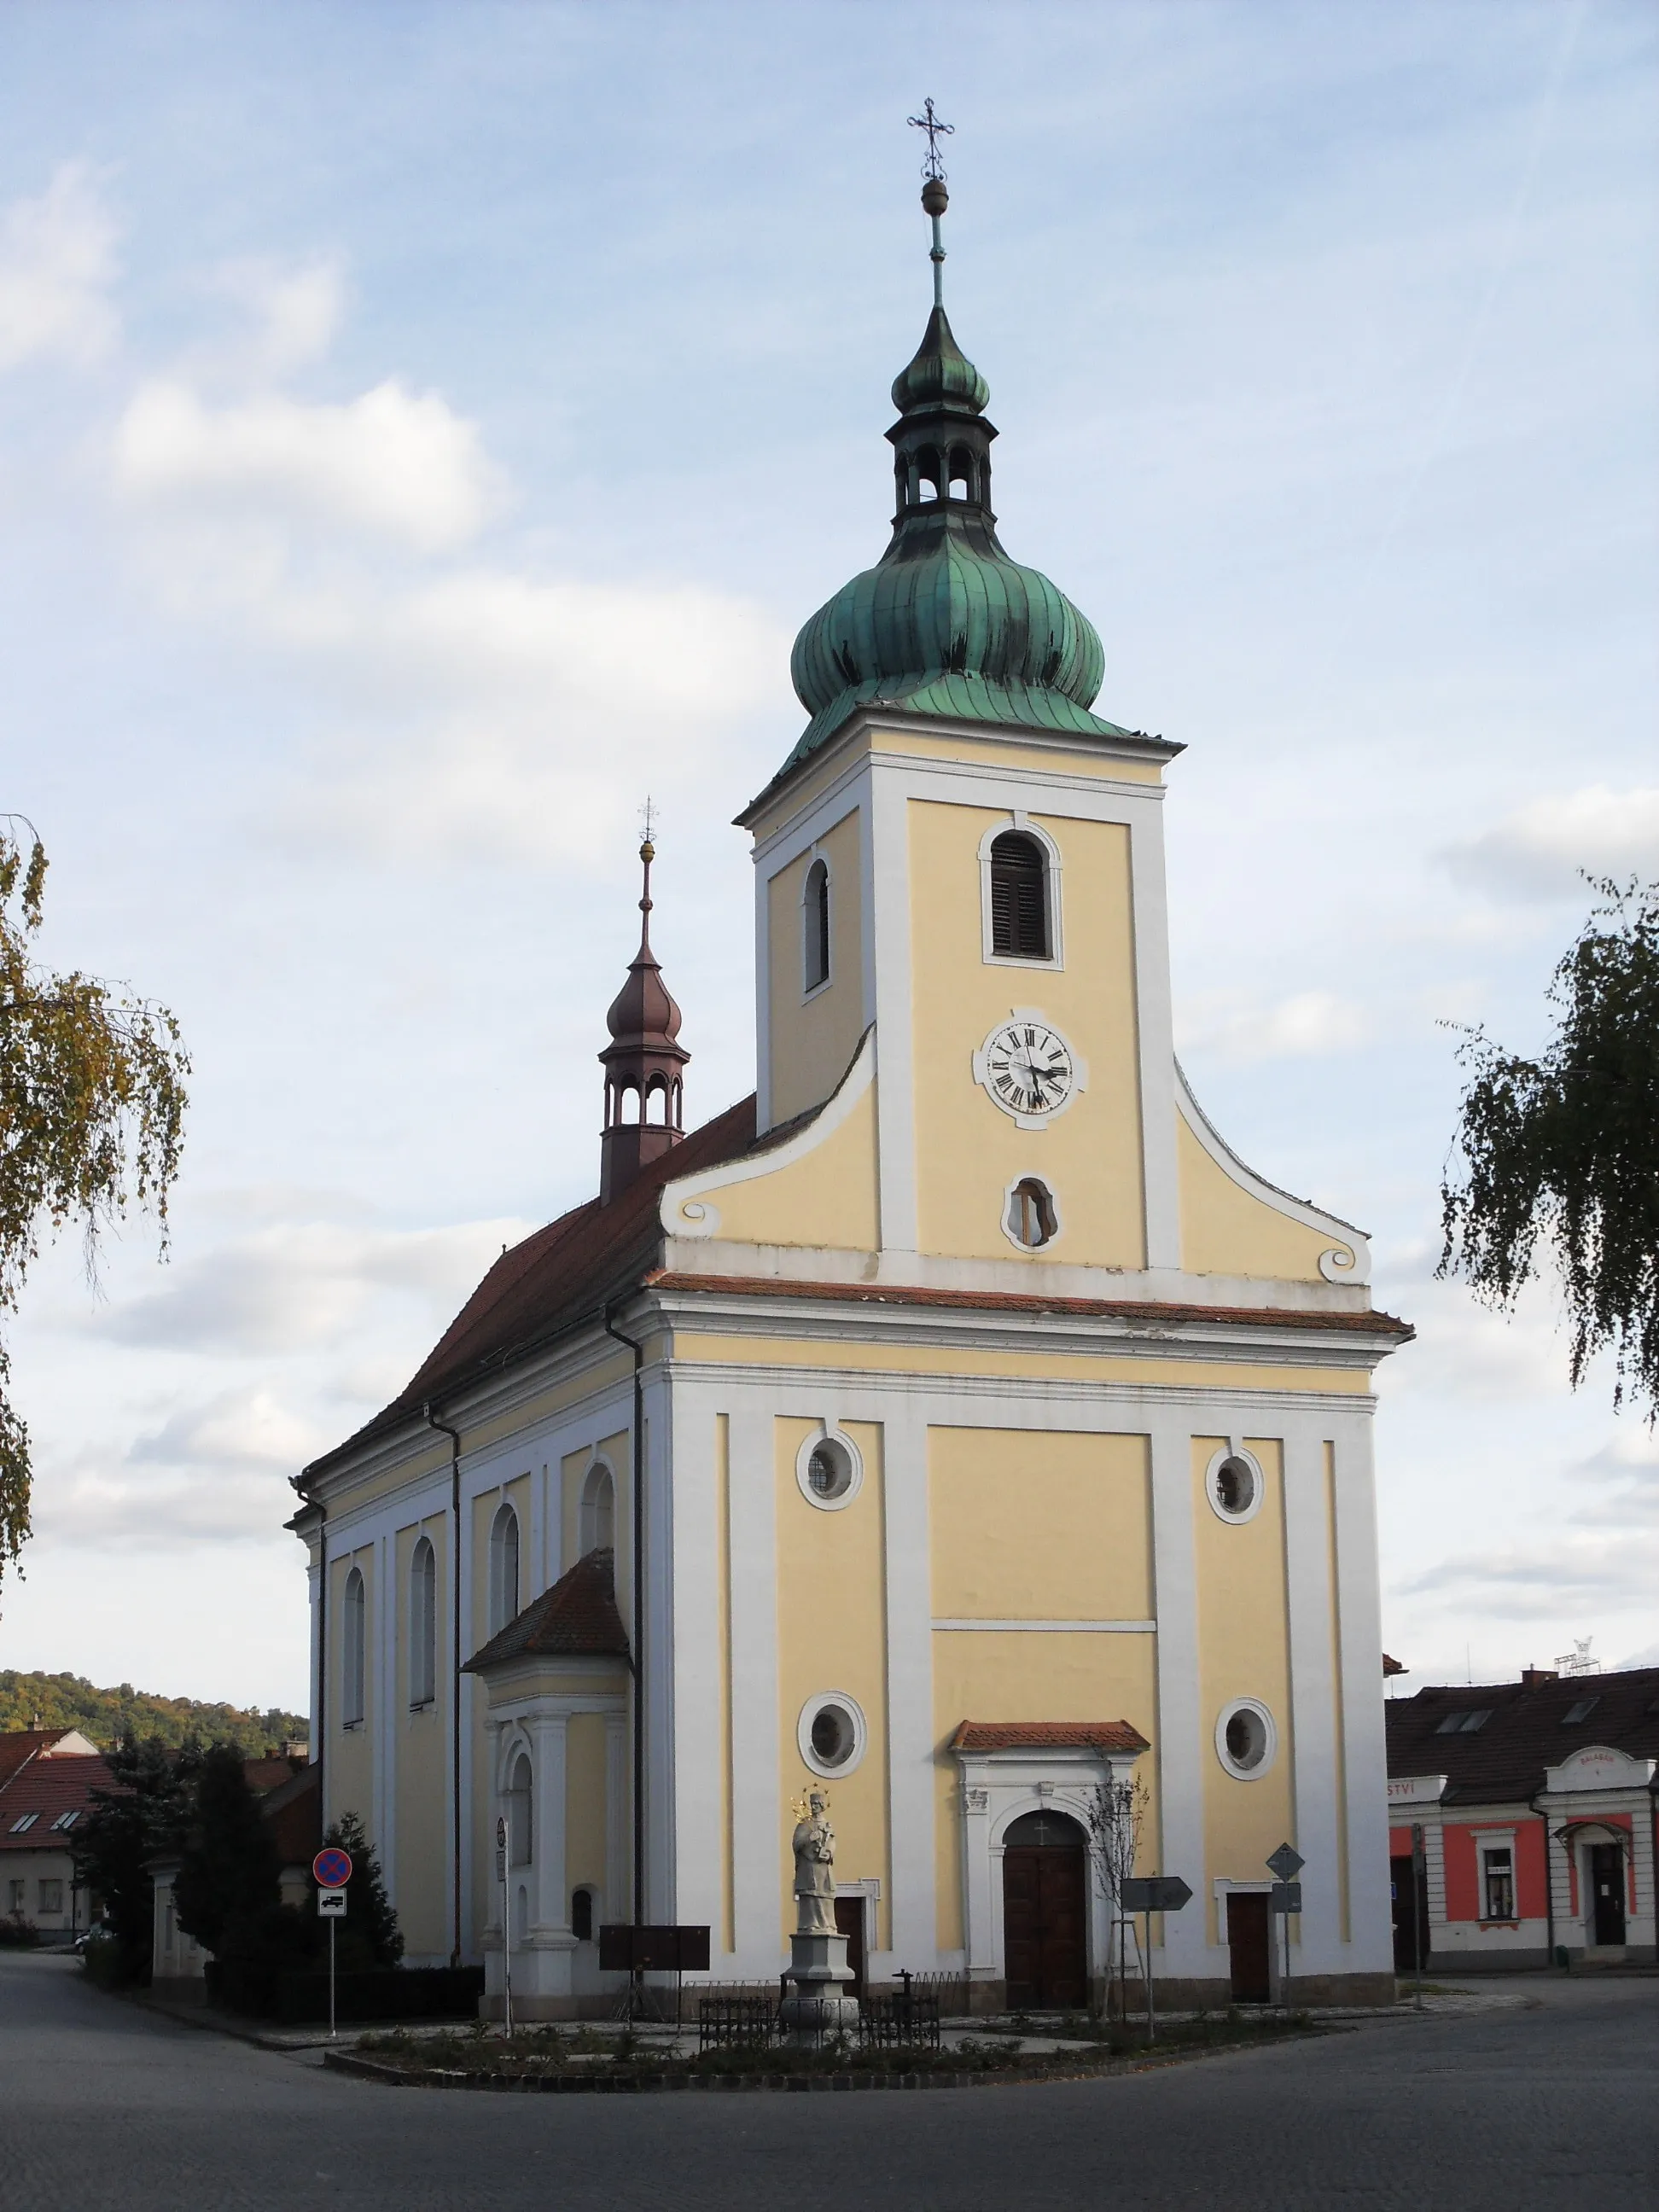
(1028, 1069)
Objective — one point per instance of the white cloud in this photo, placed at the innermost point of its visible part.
(299, 1286)
(56, 263)
(1537, 852)
(1309, 1025)
(1567, 1573)
(395, 464)
(245, 1428)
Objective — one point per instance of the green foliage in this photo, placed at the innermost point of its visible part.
(229, 1874)
(369, 1936)
(91, 1108)
(17, 1933)
(103, 1962)
(144, 1813)
(1563, 1150)
(105, 1716)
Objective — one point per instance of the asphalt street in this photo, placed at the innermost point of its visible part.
(104, 2105)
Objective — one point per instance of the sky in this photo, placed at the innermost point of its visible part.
(423, 428)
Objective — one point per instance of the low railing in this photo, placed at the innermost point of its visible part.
(905, 2019)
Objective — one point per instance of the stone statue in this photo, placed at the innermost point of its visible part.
(814, 1843)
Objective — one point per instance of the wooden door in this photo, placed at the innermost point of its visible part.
(850, 1919)
(1247, 1943)
(1607, 1879)
(1045, 1928)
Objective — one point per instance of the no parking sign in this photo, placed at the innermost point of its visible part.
(331, 1867)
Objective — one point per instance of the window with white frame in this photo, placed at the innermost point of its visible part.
(16, 1892)
(1498, 1882)
(1020, 926)
(422, 1624)
(52, 1896)
(353, 1651)
(596, 1529)
(503, 1569)
(815, 926)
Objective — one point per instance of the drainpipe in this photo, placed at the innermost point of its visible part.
(638, 1350)
(454, 1436)
(1549, 1886)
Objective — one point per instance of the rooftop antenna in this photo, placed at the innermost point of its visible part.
(934, 197)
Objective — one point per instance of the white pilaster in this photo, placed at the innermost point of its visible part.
(1180, 1735)
(1313, 1716)
(756, 1798)
(913, 1907)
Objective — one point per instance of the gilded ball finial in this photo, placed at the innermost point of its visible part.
(935, 198)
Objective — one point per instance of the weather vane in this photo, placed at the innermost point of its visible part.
(932, 166)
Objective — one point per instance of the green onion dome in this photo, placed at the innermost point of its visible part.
(945, 624)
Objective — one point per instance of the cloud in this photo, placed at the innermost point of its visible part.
(1552, 1578)
(299, 1286)
(245, 1428)
(1309, 1025)
(56, 263)
(295, 313)
(1537, 852)
(393, 464)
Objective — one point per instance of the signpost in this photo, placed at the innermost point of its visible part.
(1420, 1899)
(625, 1949)
(1284, 1898)
(332, 1870)
(1151, 1893)
(507, 1917)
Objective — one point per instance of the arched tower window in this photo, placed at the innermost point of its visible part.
(815, 926)
(354, 1651)
(1019, 897)
(503, 1569)
(422, 1624)
(597, 1522)
(519, 1817)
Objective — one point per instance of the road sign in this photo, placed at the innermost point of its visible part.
(331, 1867)
(1155, 1893)
(1284, 1897)
(623, 1949)
(1286, 1862)
(500, 1833)
(500, 1863)
(332, 1903)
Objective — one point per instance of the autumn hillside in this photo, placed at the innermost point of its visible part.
(67, 1701)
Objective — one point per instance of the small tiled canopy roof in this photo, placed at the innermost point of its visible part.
(1048, 1736)
(577, 1618)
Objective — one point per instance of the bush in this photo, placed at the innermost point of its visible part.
(104, 1958)
(17, 1933)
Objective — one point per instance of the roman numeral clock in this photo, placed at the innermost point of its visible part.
(1027, 1069)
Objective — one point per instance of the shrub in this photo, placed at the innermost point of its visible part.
(17, 1933)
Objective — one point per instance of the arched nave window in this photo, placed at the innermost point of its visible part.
(518, 1815)
(597, 1522)
(503, 1569)
(815, 926)
(422, 1624)
(353, 1647)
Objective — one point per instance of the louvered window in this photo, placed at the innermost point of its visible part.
(1019, 897)
(816, 926)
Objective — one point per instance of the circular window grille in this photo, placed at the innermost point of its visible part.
(1246, 1739)
(829, 1471)
(831, 1733)
(1235, 1486)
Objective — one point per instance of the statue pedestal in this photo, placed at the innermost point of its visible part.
(819, 2004)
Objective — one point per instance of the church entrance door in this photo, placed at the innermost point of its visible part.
(1247, 1945)
(850, 1921)
(1045, 1918)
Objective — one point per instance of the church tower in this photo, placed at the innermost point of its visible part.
(642, 1063)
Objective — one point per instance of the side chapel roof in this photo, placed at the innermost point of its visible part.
(577, 1618)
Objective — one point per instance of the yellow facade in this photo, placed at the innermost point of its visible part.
(815, 1032)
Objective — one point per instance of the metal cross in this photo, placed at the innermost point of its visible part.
(929, 122)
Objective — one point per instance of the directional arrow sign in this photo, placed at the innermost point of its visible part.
(1155, 1893)
(1286, 1862)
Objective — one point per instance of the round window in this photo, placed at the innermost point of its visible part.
(1235, 1485)
(831, 1733)
(828, 1470)
(1245, 1739)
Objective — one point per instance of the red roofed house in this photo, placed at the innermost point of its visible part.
(1528, 1810)
(47, 1777)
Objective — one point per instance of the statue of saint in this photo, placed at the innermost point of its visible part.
(814, 1843)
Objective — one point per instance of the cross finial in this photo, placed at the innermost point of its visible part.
(928, 121)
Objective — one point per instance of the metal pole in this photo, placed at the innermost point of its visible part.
(1149, 1974)
(331, 1977)
(507, 1942)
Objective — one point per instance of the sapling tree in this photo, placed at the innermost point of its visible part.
(1115, 1815)
(1557, 1158)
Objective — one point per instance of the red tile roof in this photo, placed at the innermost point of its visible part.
(1048, 1736)
(49, 1788)
(564, 1273)
(1367, 1323)
(22, 1745)
(1526, 1729)
(577, 1618)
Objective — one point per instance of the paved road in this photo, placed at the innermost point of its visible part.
(103, 2106)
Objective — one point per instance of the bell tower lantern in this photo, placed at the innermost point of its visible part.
(642, 1064)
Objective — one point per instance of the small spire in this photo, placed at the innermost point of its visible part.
(643, 1061)
(934, 197)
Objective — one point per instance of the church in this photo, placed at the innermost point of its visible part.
(956, 1426)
